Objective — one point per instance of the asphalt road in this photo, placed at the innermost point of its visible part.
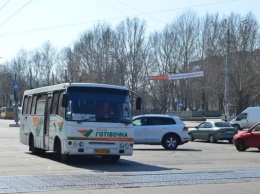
(195, 167)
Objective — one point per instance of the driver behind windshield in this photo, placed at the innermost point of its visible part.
(105, 111)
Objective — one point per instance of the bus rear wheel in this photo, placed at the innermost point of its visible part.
(32, 148)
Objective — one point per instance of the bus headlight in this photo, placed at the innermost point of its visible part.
(127, 145)
(122, 145)
(81, 144)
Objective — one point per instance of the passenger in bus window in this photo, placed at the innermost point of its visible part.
(105, 111)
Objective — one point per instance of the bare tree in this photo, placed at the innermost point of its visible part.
(42, 65)
(244, 77)
(164, 59)
(187, 27)
(6, 81)
(209, 60)
(131, 52)
(127, 56)
(49, 60)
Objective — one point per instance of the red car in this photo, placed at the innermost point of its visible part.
(248, 139)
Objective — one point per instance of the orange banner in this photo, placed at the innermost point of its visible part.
(159, 77)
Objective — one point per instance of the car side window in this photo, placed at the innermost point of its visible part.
(153, 121)
(158, 121)
(241, 116)
(208, 125)
(202, 125)
(137, 122)
(143, 121)
(168, 121)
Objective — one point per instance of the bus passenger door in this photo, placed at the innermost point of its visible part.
(47, 122)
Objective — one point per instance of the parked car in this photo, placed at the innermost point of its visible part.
(7, 113)
(248, 139)
(213, 131)
(159, 129)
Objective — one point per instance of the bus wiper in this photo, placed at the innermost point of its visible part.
(97, 119)
(87, 119)
(106, 119)
(114, 120)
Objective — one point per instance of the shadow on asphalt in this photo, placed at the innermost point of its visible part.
(164, 150)
(96, 163)
(218, 142)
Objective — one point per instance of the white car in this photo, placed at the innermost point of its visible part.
(160, 129)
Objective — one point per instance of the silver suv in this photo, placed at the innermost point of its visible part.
(159, 129)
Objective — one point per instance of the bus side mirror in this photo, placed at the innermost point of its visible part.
(65, 100)
(138, 103)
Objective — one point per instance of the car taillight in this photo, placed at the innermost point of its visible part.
(185, 129)
(221, 131)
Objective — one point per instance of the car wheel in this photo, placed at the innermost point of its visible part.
(237, 127)
(212, 139)
(240, 145)
(170, 142)
(230, 141)
(191, 137)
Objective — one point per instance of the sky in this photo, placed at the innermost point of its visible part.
(28, 24)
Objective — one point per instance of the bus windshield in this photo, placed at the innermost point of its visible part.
(96, 104)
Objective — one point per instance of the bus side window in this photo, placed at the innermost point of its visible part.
(55, 102)
(33, 104)
(40, 104)
(29, 105)
(25, 101)
(60, 108)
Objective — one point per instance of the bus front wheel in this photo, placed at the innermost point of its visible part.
(57, 152)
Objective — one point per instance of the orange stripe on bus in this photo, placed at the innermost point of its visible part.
(101, 139)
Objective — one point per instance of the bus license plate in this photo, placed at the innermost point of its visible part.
(101, 151)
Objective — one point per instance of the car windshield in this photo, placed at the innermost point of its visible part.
(93, 103)
(222, 124)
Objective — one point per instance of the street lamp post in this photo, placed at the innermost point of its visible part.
(15, 101)
(227, 75)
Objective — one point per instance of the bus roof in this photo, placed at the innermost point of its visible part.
(67, 85)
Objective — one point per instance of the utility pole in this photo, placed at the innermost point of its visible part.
(15, 102)
(227, 75)
(15, 88)
(31, 85)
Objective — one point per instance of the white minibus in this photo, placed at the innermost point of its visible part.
(74, 119)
